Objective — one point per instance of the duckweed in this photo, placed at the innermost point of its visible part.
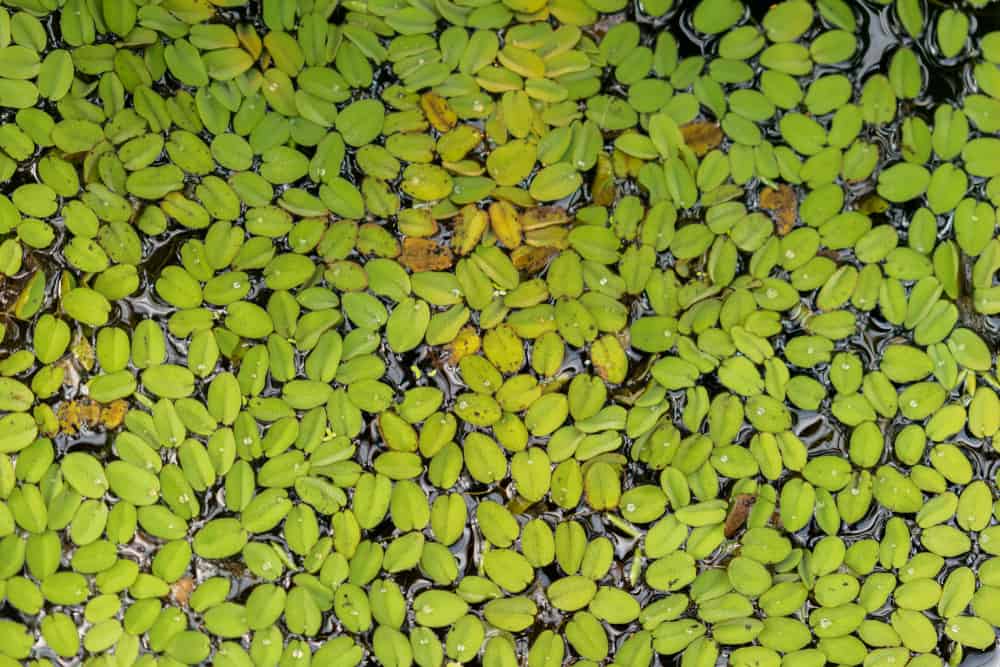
(526, 332)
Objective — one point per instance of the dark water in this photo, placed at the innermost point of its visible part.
(880, 30)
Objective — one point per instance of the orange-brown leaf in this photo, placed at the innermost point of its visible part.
(75, 415)
(783, 204)
(531, 259)
(425, 255)
(113, 414)
(738, 513)
(701, 136)
(181, 590)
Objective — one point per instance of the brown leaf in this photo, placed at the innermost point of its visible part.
(91, 415)
(701, 136)
(425, 255)
(181, 590)
(75, 415)
(90, 412)
(783, 204)
(531, 259)
(738, 513)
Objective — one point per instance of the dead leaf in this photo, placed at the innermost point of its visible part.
(181, 590)
(738, 513)
(784, 205)
(531, 259)
(701, 136)
(113, 414)
(74, 416)
(425, 255)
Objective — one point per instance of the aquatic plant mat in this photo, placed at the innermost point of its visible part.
(505, 333)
